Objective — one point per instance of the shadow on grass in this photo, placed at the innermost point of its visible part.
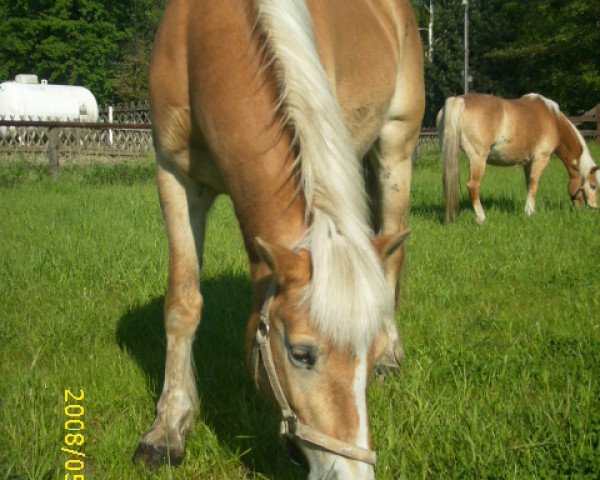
(437, 210)
(230, 406)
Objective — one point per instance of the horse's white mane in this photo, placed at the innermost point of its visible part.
(348, 296)
(551, 104)
(586, 162)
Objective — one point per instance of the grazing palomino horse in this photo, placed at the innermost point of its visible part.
(525, 131)
(274, 102)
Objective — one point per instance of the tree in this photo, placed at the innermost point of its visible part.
(555, 52)
(548, 47)
(65, 41)
(444, 75)
(131, 75)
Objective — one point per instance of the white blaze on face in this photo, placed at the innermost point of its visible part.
(361, 377)
(329, 466)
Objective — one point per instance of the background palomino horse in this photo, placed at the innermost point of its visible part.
(525, 131)
(273, 102)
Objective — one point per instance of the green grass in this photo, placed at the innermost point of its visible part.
(501, 325)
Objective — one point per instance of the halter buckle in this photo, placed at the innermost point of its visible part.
(262, 330)
(288, 425)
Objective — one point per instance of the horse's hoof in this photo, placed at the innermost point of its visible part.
(382, 370)
(157, 455)
(389, 363)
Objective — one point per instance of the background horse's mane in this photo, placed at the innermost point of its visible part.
(551, 104)
(586, 162)
(348, 296)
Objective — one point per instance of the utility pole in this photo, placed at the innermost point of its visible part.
(466, 71)
(430, 31)
(431, 12)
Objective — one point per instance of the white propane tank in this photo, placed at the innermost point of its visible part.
(26, 98)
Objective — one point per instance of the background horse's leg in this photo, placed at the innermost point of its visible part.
(533, 172)
(477, 169)
(185, 208)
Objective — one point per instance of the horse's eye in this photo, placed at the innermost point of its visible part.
(593, 187)
(303, 356)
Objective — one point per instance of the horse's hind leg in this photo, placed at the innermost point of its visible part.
(477, 162)
(185, 207)
(533, 172)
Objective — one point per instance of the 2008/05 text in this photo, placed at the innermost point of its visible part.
(74, 438)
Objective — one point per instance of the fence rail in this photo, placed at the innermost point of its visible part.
(128, 134)
(128, 112)
(76, 141)
(592, 116)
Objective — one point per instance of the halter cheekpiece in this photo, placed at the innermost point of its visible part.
(290, 426)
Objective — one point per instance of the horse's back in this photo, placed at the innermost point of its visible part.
(513, 131)
(483, 118)
(532, 125)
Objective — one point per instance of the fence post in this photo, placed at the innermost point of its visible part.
(53, 144)
(416, 155)
(598, 123)
(110, 120)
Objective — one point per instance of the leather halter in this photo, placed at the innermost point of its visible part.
(578, 191)
(290, 426)
(582, 191)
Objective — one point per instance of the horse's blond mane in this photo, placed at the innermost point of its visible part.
(551, 104)
(586, 162)
(348, 295)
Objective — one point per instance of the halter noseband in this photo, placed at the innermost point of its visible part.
(582, 190)
(578, 191)
(290, 426)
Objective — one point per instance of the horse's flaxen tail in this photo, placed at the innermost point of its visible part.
(449, 127)
(348, 295)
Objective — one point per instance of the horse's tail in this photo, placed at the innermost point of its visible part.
(347, 281)
(449, 127)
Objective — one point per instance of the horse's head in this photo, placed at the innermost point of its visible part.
(586, 192)
(319, 387)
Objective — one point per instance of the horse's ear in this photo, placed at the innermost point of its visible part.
(387, 245)
(287, 266)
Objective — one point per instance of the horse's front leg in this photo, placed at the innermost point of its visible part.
(533, 173)
(184, 210)
(392, 162)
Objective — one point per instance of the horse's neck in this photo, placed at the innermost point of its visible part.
(569, 149)
(268, 205)
(270, 208)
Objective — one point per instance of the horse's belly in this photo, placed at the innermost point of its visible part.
(504, 154)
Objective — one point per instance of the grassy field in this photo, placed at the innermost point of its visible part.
(501, 326)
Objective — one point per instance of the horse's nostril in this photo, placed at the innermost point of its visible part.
(296, 455)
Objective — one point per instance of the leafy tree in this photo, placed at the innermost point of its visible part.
(555, 51)
(65, 41)
(131, 75)
(549, 47)
(444, 76)
(102, 45)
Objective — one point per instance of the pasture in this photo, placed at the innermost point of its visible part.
(501, 325)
